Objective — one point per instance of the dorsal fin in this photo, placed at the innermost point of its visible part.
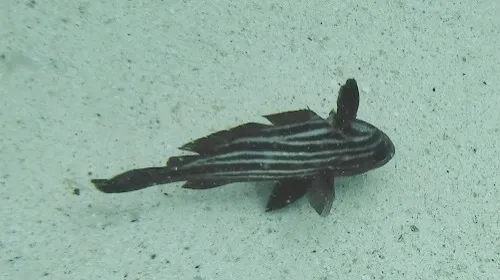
(177, 161)
(292, 117)
(210, 143)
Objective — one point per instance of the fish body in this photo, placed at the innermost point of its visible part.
(299, 150)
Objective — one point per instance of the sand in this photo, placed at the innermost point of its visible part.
(90, 89)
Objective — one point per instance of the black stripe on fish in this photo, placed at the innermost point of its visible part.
(262, 156)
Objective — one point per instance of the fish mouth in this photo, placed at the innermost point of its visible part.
(389, 150)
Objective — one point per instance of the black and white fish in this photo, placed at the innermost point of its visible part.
(302, 152)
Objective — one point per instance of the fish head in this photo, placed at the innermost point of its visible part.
(366, 148)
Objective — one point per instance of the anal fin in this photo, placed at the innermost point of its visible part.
(206, 184)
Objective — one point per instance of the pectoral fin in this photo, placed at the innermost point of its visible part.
(347, 104)
(322, 193)
(286, 192)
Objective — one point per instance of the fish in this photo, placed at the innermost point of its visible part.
(299, 151)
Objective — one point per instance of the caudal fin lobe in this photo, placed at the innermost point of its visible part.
(134, 180)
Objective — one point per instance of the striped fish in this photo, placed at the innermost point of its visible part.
(299, 150)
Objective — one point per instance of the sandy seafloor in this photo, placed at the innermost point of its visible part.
(93, 88)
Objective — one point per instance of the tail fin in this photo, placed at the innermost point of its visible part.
(134, 180)
(137, 179)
